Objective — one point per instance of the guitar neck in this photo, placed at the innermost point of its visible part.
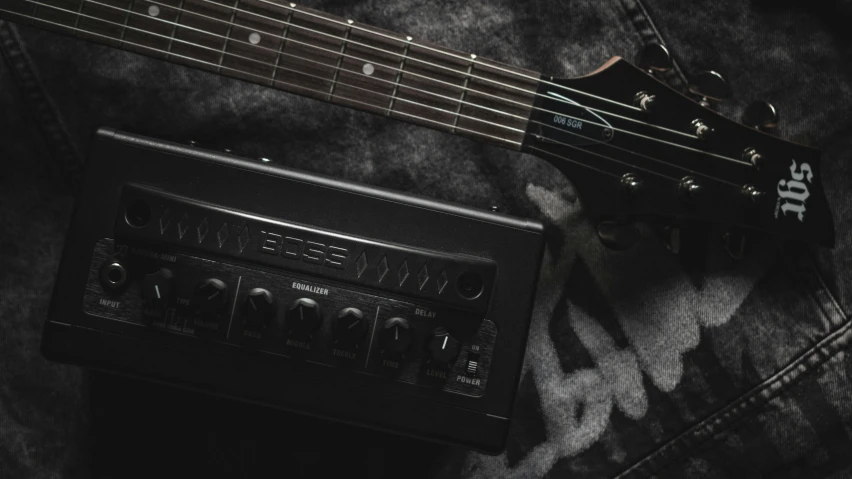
(309, 53)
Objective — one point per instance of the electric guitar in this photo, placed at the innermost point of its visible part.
(634, 147)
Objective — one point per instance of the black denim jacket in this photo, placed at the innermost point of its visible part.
(640, 363)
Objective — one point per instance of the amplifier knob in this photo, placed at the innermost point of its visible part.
(443, 348)
(211, 295)
(157, 288)
(350, 328)
(303, 318)
(258, 307)
(396, 337)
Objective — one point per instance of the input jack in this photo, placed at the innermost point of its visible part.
(113, 275)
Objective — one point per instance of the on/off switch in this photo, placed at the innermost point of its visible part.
(472, 364)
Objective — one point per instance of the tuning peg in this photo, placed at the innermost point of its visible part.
(711, 87)
(761, 115)
(618, 235)
(654, 58)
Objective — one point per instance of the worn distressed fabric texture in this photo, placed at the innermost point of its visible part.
(640, 363)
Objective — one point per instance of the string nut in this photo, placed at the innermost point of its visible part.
(631, 184)
(701, 130)
(752, 193)
(752, 156)
(689, 188)
(645, 101)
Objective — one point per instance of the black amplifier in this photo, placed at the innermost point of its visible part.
(240, 278)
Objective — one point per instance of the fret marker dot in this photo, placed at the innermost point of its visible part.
(254, 38)
(368, 69)
(153, 10)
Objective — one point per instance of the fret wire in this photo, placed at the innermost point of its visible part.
(438, 109)
(130, 5)
(452, 55)
(227, 34)
(463, 94)
(295, 71)
(452, 99)
(174, 30)
(398, 77)
(507, 100)
(525, 105)
(293, 7)
(340, 58)
(419, 75)
(281, 48)
(514, 143)
(373, 78)
(79, 12)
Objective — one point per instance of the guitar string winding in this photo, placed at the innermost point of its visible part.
(460, 87)
(503, 99)
(546, 125)
(371, 91)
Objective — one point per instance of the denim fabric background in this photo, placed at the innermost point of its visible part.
(639, 362)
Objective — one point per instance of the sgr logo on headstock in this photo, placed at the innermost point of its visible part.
(792, 194)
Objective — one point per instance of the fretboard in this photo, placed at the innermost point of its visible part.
(309, 53)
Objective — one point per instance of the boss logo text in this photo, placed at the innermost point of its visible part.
(301, 250)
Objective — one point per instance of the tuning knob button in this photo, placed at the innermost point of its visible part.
(157, 288)
(752, 156)
(751, 193)
(689, 188)
(646, 101)
(303, 318)
(711, 87)
(211, 296)
(631, 184)
(350, 328)
(654, 58)
(443, 348)
(396, 337)
(258, 308)
(760, 115)
(701, 130)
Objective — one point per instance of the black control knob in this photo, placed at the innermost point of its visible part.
(443, 348)
(258, 308)
(211, 296)
(303, 318)
(157, 288)
(396, 337)
(350, 328)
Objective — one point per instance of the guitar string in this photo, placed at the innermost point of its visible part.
(292, 7)
(237, 70)
(639, 135)
(352, 42)
(428, 106)
(281, 68)
(442, 110)
(460, 87)
(555, 155)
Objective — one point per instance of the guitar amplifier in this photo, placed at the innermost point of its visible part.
(296, 291)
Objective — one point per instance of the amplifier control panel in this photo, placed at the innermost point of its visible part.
(291, 317)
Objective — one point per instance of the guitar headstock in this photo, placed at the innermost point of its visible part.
(635, 147)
